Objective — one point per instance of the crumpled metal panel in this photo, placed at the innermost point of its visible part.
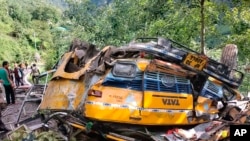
(66, 90)
(63, 94)
(61, 73)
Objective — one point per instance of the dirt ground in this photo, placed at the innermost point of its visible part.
(19, 111)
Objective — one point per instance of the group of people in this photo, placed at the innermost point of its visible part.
(11, 79)
(18, 73)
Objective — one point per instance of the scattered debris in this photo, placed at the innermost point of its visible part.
(152, 89)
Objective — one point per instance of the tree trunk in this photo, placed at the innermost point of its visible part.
(203, 51)
(229, 56)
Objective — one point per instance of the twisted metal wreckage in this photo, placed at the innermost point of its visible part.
(150, 89)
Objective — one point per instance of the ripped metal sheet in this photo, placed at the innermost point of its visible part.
(59, 97)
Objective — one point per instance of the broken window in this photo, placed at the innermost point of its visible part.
(124, 69)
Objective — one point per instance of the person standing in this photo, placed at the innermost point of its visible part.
(7, 83)
(35, 74)
(26, 65)
(17, 75)
(21, 73)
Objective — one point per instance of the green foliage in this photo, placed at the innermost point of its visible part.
(46, 14)
(16, 12)
(50, 58)
(121, 21)
(21, 35)
(7, 45)
(29, 26)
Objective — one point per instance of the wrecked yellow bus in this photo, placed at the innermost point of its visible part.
(149, 82)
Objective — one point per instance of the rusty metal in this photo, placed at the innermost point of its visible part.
(81, 102)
